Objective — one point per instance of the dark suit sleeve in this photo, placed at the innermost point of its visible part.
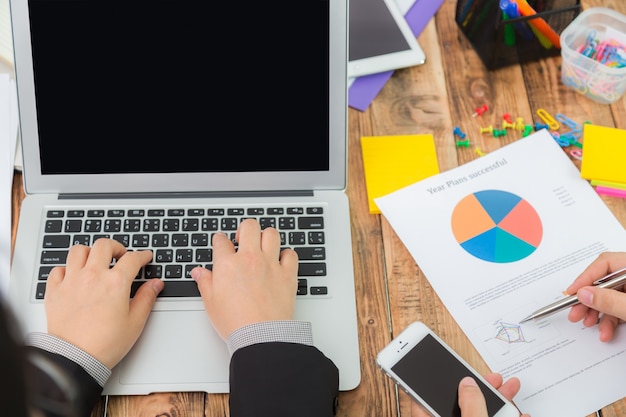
(282, 379)
(84, 390)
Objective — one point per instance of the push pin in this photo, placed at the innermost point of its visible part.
(506, 124)
(480, 110)
(488, 129)
(499, 132)
(507, 117)
(519, 123)
(463, 143)
(539, 126)
(457, 132)
(527, 130)
(479, 152)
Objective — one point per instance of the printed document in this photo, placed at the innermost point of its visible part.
(503, 236)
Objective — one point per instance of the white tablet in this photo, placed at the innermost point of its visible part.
(380, 38)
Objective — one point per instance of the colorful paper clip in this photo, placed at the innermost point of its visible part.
(576, 154)
(547, 119)
(568, 122)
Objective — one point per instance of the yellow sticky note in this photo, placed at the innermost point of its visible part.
(604, 153)
(393, 162)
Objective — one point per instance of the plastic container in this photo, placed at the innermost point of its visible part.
(501, 41)
(593, 48)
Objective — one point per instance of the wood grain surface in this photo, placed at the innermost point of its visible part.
(391, 289)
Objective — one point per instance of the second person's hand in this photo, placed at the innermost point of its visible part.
(608, 306)
(471, 399)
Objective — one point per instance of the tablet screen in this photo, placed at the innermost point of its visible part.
(380, 38)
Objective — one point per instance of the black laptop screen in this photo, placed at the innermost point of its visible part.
(127, 86)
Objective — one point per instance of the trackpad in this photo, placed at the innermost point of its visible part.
(177, 347)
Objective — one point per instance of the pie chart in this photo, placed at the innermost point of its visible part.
(496, 226)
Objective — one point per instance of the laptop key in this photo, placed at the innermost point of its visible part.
(309, 253)
(41, 290)
(319, 290)
(73, 226)
(81, 240)
(54, 226)
(44, 272)
(56, 241)
(311, 222)
(153, 271)
(302, 287)
(313, 269)
(172, 289)
(56, 257)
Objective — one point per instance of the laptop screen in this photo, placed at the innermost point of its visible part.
(181, 85)
(109, 89)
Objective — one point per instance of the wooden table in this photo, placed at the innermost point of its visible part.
(391, 289)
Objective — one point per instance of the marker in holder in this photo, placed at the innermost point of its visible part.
(594, 54)
(509, 32)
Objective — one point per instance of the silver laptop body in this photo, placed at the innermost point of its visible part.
(153, 107)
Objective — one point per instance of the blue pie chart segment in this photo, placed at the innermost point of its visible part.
(498, 246)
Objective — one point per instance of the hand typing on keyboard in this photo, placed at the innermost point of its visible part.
(255, 283)
(87, 300)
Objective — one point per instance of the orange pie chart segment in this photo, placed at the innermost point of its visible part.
(469, 219)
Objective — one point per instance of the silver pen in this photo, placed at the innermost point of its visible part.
(612, 280)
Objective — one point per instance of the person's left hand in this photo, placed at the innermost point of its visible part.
(88, 303)
(471, 399)
(603, 307)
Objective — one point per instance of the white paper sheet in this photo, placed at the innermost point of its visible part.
(550, 225)
(7, 155)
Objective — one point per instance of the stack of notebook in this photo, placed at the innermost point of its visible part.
(603, 159)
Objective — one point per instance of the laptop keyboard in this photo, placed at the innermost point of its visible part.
(180, 240)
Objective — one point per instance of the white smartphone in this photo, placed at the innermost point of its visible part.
(430, 372)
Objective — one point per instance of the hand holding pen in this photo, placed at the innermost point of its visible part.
(614, 280)
(609, 306)
(596, 291)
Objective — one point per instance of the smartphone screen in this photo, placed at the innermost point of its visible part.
(434, 374)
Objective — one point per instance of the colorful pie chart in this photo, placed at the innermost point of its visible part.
(496, 226)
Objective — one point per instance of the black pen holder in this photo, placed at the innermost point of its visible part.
(501, 40)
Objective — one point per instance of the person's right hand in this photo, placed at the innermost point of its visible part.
(471, 399)
(255, 283)
(608, 305)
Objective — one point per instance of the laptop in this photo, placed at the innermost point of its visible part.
(158, 123)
